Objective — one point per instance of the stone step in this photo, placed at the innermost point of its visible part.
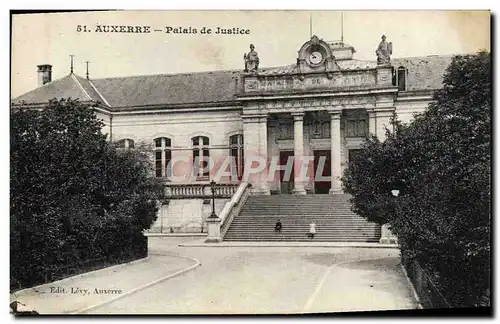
(290, 229)
(335, 221)
(297, 225)
(305, 240)
(290, 226)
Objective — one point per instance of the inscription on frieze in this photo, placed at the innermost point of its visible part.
(314, 81)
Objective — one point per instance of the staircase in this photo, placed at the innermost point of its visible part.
(335, 222)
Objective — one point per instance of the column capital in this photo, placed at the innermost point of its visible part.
(335, 114)
(334, 111)
(298, 115)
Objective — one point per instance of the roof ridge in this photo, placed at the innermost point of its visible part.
(93, 87)
(426, 56)
(262, 68)
(81, 87)
(169, 74)
(99, 93)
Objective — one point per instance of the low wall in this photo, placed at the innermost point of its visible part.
(185, 215)
(77, 260)
(428, 292)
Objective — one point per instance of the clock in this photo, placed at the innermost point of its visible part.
(315, 57)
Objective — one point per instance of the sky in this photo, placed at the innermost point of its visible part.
(277, 36)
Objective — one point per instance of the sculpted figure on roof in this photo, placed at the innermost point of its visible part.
(384, 52)
(251, 60)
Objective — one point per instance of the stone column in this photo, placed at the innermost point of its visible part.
(264, 185)
(372, 123)
(298, 142)
(255, 148)
(386, 236)
(336, 187)
(251, 148)
(382, 120)
(383, 117)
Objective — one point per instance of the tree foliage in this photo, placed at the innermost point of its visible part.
(441, 164)
(74, 196)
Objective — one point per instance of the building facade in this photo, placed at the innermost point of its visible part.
(316, 111)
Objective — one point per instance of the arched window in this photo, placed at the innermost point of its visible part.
(401, 78)
(201, 156)
(125, 143)
(163, 156)
(236, 152)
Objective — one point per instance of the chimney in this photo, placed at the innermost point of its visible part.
(44, 74)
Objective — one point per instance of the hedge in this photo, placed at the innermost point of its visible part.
(441, 165)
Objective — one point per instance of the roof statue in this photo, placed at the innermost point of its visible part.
(384, 51)
(251, 60)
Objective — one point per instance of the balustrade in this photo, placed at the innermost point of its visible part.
(201, 191)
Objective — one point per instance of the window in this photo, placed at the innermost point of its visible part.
(126, 143)
(236, 152)
(356, 128)
(284, 130)
(201, 156)
(401, 78)
(163, 156)
(320, 129)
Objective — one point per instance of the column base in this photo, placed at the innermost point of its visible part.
(299, 191)
(335, 191)
(388, 240)
(213, 240)
(386, 236)
(260, 192)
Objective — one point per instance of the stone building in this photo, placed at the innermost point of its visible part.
(321, 106)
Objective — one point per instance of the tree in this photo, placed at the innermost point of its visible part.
(441, 163)
(70, 189)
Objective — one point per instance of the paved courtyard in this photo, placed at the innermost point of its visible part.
(263, 280)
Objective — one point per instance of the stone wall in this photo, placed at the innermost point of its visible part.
(105, 118)
(185, 216)
(405, 109)
(423, 73)
(218, 126)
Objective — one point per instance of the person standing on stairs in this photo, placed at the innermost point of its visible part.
(312, 229)
(278, 226)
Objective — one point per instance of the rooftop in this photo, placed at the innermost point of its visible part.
(217, 87)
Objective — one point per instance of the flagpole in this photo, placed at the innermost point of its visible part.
(310, 26)
(342, 27)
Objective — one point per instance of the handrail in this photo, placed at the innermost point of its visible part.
(233, 207)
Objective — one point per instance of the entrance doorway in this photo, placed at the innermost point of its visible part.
(322, 187)
(286, 184)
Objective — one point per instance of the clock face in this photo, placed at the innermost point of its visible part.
(315, 57)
